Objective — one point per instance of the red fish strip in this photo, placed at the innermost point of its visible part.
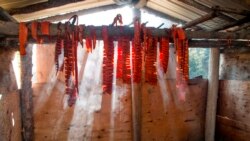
(164, 53)
(150, 59)
(23, 35)
(137, 52)
(108, 60)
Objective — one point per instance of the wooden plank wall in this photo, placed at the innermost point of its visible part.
(103, 117)
(233, 118)
(233, 115)
(170, 118)
(10, 118)
(235, 64)
(95, 116)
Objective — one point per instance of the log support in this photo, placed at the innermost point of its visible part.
(136, 101)
(26, 96)
(10, 29)
(136, 111)
(213, 86)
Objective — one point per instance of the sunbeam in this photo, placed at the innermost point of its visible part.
(16, 68)
(89, 99)
(162, 81)
(39, 75)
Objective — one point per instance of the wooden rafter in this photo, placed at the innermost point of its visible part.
(236, 23)
(234, 11)
(202, 19)
(6, 16)
(244, 3)
(163, 15)
(207, 9)
(242, 27)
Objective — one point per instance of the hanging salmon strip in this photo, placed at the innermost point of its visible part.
(23, 35)
(45, 27)
(34, 26)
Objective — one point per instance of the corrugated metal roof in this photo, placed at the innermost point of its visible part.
(224, 3)
(187, 13)
(72, 7)
(8, 4)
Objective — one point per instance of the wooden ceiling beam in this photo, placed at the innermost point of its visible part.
(6, 16)
(207, 9)
(234, 11)
(163, 15)
(236, 23)
(202, 19)
(242, 27)
(217, 44)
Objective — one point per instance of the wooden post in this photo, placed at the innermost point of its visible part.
(136, 111)
(26, 96)
(213, 85)
(136, 102)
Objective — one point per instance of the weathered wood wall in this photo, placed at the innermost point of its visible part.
(103, 117)
(165, 117)
(10, 121)
(235, 64)
(94, 117)
(233, 115)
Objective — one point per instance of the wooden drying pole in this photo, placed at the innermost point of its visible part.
(198, 39)
(11, 29)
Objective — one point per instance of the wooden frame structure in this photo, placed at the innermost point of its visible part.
(204, 39)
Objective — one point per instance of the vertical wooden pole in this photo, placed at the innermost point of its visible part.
(136, 111)
(213, 86)
(136, 101)
(26, 96)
